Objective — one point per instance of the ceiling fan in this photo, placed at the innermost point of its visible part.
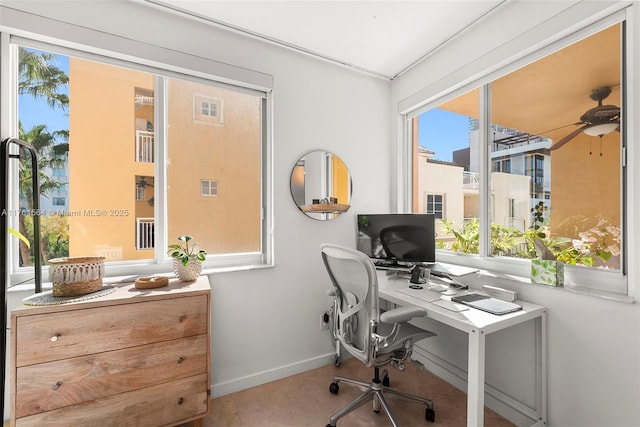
(597, 121)
(142, 183)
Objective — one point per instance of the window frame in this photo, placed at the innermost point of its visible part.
(163, 65)
(430, 206)
(199, 115)
(605, 283)
(210, 185)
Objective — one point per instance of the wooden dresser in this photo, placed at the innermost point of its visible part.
(130, 358)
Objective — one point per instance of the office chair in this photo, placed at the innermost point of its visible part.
(375, 338)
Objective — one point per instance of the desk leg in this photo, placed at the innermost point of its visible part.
(475, 380)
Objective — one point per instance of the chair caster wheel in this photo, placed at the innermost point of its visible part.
(334, 388)
(337, 361)
(430, 415)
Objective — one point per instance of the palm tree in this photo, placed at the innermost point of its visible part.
(39, 77)
(45, 144)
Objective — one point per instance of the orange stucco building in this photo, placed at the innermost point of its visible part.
(213, 147)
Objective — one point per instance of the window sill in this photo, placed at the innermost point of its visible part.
(505, 280)
(506, 273)
(215, 270)
(120, 276)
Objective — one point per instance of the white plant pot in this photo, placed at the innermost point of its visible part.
(189, 272)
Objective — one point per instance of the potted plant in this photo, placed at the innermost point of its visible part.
(187, 259)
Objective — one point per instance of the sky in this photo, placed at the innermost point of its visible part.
(34, 111)
(443, 132)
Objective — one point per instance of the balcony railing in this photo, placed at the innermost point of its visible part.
(144, 146)
(145, 233)
(470, 180)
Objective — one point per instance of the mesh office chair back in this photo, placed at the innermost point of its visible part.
(354, 279)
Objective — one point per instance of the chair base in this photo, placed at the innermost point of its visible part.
(377, 392)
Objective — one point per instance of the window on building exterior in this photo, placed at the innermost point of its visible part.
(90, 114)
(208, 109)
(502, 165)
(435, 205)
(208, 187)
(58, 171)
(545, 153)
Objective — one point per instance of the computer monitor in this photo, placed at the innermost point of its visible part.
(397, 239)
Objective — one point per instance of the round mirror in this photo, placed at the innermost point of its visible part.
(321, 185)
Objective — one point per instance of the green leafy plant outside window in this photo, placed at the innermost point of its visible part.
(597, 246)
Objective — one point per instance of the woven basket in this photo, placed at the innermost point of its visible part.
(76, 275)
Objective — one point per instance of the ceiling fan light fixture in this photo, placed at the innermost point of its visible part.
(601, 129)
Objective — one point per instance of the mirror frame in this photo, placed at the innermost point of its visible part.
(323, 168)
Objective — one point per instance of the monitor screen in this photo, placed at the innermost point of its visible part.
(393, 238)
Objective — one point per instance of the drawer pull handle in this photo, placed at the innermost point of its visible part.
(180, 359)
(56, 386)
(181, 318)
(180, 401)
(55, 337)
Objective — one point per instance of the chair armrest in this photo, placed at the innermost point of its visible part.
(402, 314)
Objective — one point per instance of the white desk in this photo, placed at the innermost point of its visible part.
(478, 324)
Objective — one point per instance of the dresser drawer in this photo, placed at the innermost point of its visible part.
(47, 386)
(78, 332)
(159, 405)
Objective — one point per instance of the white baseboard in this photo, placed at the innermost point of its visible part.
(259, 378)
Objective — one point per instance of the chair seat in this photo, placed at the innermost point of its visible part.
(407, 331)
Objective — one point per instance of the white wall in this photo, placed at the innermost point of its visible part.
(266, 323)
(593, 343)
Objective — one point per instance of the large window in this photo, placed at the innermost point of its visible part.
(132, 148)
(532, 156)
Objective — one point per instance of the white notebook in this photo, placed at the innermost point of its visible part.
(486, 303)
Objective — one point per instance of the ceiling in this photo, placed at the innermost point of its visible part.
(387, 37)
(382, 38)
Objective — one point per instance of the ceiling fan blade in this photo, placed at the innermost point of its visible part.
(567, 138)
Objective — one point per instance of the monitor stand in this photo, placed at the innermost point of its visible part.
(393, 267)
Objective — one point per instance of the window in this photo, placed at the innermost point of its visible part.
(58, 171)
(58, 201)
(502, 166)
(207, 109)
(535, 171)
(87, 129)
(208, 187)
(532, 136)
(434, 205)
